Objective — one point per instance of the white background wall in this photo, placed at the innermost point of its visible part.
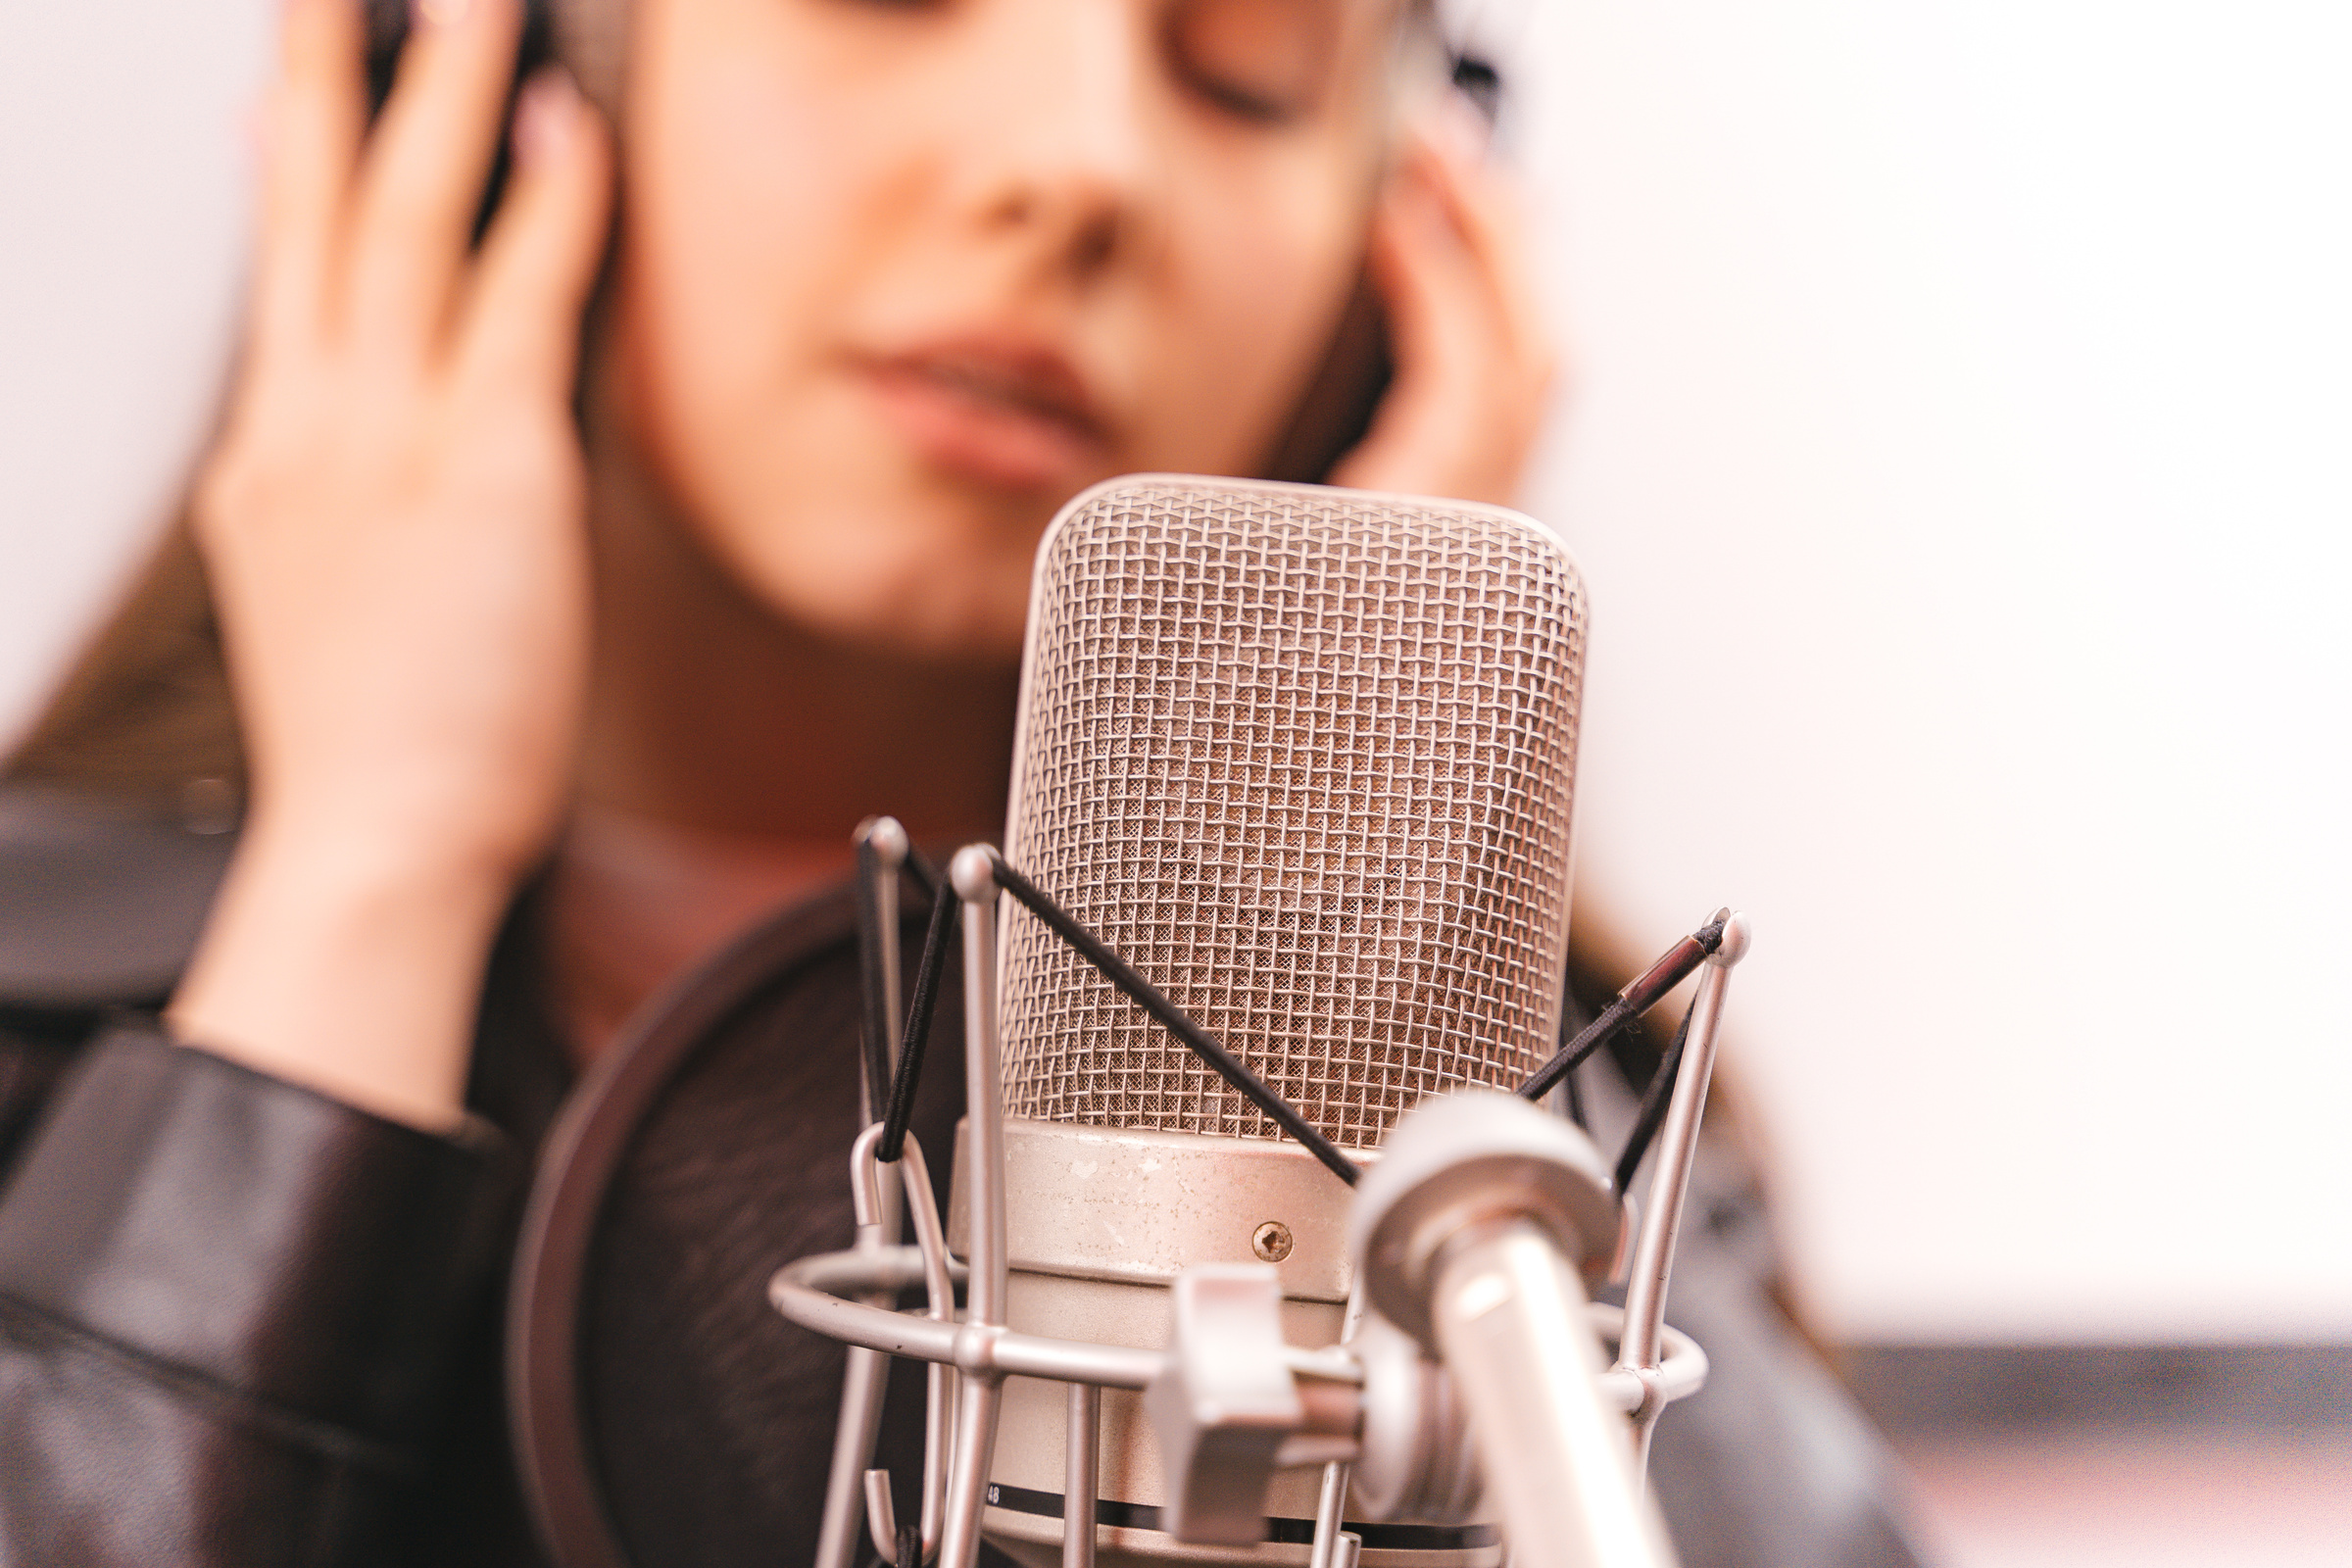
(123, 166)
(1958, 457)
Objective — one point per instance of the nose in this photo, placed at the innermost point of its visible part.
(1066, 157)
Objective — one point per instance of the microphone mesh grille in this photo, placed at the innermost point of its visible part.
(1304, 758)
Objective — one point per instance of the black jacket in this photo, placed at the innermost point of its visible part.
(241, 1323)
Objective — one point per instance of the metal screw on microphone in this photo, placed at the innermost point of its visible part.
(1272, 1240)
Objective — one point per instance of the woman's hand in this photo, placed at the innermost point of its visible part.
(393, 529)
(1473, 357)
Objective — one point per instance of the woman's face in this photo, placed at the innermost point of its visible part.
(899, 277)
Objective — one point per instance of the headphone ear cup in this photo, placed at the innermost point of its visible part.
(663, 1413)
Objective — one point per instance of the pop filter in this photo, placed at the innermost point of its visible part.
(663, 1413)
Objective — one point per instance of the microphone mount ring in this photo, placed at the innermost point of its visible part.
(819, 1293)
(827, 1293)
(823, 1294)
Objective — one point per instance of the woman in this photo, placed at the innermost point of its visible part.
(636, 579)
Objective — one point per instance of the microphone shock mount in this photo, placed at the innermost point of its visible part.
(1468, 1359)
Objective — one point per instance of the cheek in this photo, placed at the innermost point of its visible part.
(1260, 287)
(760, 201)
(723, 278)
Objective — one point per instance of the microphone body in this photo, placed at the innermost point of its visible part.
(1101, 1221)
(1304, 758)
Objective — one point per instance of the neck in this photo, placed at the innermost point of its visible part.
(728, 756)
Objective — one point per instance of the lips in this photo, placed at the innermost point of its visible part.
(1004, 414)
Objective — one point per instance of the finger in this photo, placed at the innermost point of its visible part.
(1430, 280)
(1484, 213)
(1436, 430)
(1462, 413)
(422, 178)
(522, 314)
(309, 139)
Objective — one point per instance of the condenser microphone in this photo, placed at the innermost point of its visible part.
(1305, 758)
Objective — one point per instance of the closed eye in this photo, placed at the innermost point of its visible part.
(1265, 61)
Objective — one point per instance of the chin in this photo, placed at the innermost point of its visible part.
(943, 594)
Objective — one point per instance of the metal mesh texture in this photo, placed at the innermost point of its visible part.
(1304, 757)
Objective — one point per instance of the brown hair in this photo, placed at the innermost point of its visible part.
(145, 709)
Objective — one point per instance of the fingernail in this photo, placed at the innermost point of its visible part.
(543, 115)
(440, 13)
